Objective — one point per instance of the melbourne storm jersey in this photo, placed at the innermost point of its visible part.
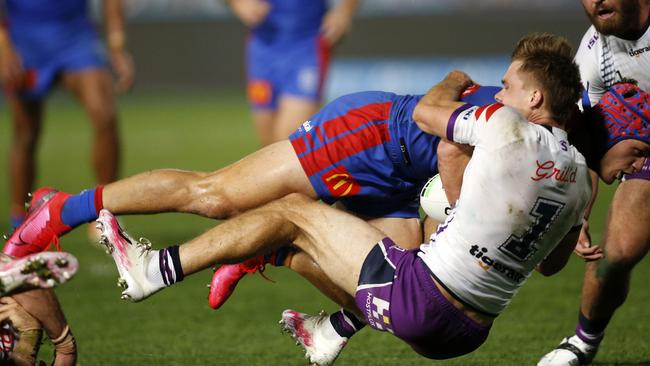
(603, 60)
(523, 190)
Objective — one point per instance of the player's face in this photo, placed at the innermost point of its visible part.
(627, 156)
(620, 18)
(515, 93)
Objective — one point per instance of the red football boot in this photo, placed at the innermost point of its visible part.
(226, 277)
(41, 227)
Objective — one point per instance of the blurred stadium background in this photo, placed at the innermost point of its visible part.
(188, 111)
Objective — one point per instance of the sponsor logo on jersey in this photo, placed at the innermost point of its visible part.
(307, 126)
(549, 170)
(592, 40)
(487, 263)
(638, 51)
(377, 313)
(340, 182)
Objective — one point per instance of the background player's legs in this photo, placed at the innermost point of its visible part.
(338, 242)
(626, 242)
(94, 89)
(263, 120)
(27, 117)
(265, 175)
(291, 113)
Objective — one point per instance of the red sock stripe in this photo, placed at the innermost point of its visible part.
(99, 198)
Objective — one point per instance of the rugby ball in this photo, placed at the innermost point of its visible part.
(433, 199)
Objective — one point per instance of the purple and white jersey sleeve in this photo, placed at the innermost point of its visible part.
(468, 124)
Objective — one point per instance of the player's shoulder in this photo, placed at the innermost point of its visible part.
(590, 39)
(496, 111)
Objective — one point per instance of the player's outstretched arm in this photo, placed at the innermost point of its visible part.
(116, 39)
(338, 20)
(433, 111)
(11, 67)
(559, 257)
(250, 12)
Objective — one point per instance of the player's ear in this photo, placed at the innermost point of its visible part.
(536, 98)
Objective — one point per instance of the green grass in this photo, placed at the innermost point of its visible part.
(176, 327)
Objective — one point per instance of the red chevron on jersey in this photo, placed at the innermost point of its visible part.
(490, 109)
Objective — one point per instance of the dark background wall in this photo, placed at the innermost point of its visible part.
(209, 54)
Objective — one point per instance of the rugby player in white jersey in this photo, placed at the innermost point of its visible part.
(615, 47)
(520, 209)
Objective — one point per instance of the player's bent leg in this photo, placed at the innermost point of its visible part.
(292, 112)
(606, 282)
(452, 160)
(626, 242)
(26, 117)
(260, 177)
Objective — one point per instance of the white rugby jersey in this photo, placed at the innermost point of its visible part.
(523, 190)
(602, 58)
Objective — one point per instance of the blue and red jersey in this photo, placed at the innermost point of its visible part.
(365, 150)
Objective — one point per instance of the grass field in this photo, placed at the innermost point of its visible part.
(205, 131)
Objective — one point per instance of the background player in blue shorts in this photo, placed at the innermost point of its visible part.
(287, 58)
(43, 42)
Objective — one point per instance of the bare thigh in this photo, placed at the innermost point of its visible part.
(337, 241)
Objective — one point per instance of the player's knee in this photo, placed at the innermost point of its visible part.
(625, 257)
(209, 196)
(103, 115)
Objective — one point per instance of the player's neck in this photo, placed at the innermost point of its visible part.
(636, 33)
(540, 117)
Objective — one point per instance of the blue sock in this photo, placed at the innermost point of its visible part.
(79, 208)
(16, 220)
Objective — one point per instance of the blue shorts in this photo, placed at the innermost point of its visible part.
(296, 68)
(48, 49)
(397, 294)
(352, 152)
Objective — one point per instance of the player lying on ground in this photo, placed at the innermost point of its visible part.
(442, 298)
(22, 325)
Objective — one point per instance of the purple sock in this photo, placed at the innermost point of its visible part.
(345, 323)
(79, 208)
(590, 331)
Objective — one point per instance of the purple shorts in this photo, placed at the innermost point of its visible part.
(644, 173)
(397, 294)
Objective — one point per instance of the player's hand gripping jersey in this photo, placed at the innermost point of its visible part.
(603, 60)
(524, 189)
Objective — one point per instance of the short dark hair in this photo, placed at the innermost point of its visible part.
(549, 60)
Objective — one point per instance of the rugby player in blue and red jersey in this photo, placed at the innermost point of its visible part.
(287, 58)
(43, 42)
(363, 150)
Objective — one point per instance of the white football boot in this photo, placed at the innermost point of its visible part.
(572, 351)
(39, 270)
(131, 258)
(309, 331)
